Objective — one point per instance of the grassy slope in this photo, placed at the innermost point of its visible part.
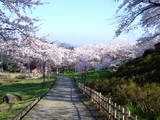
(91, 75)
(145, 72)
(146, 68)
(29, 89)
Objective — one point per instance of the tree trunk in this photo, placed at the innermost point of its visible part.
(44, 71)
(57, 70)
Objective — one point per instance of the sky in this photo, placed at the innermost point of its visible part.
(78, 22)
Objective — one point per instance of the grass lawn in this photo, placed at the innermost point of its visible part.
(29, 89)
(91, 75)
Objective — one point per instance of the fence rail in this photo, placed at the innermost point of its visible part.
(112, 110)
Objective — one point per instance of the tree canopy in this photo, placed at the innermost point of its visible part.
(146, 14)
(13, 19)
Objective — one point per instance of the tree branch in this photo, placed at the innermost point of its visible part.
(154, 3)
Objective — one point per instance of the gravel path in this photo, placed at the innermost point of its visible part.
(61, 103)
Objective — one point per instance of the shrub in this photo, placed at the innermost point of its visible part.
(22, 76)
(147, 52)
(157, 46)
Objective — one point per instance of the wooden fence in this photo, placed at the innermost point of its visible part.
(112, 110)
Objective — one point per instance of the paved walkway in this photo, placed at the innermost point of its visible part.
(61, 103)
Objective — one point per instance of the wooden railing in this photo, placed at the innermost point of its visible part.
(112, 110)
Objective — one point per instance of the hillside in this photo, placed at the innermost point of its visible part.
(136, 84)
(145, 69)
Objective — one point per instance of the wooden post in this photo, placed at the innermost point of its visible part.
(111, 111)
(115, 111)
(129, 115)
(119, 115)
(136, 118)
(107, 104)
(97, 99)
(123, 114)
(109, 108)
(100, 99)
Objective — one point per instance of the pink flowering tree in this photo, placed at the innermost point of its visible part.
(14, 22)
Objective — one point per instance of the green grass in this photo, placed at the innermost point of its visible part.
(142, 115)
(91, 75)
(29, 89)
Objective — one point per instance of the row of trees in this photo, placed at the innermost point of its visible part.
(18, 40)
(53, 56)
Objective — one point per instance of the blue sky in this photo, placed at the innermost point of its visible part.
(78, 22)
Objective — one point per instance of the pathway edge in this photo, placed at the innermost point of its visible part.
(24, 112)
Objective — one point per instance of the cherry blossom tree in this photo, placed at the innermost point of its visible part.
(82, 66)
(102, 56)
(139, 13)
(13, 19)
(81, 59)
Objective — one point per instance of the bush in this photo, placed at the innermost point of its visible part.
(124, 92)
(147, 52)
(157, 46)
(22, 76)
